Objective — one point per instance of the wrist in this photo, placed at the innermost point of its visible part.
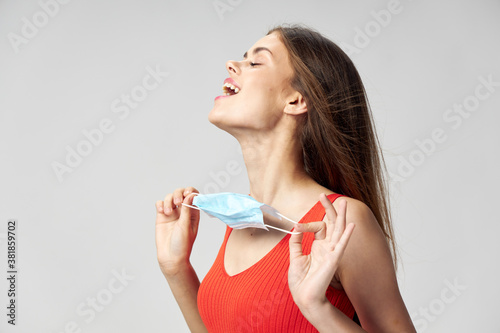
(323, 315)
(171, 270)
(314, 309)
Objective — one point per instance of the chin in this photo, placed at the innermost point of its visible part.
(226, 123)
(214, 117)
(218, 119)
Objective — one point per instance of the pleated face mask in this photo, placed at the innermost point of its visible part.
(238, 211)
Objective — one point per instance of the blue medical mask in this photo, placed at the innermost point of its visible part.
(238, 211)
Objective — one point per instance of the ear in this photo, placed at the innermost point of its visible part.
(295, 105)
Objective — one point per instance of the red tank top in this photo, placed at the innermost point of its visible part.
(258, 299)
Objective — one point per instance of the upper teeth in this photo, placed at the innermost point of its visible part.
(230, 86)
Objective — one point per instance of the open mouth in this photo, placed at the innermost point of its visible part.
(228, 89)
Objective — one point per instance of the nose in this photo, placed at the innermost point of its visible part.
(232, 67)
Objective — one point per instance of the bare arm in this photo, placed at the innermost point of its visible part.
(326, 317)
(184, 286)
(367, 275)
(176, 230)
(359, 262)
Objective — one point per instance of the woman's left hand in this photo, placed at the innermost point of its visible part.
(309, 275)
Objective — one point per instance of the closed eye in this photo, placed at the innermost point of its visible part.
(253, 64)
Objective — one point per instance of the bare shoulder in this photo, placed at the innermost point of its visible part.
(366, 273)
(356, 212)
(367, 241)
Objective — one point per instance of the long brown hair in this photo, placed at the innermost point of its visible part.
(340, 147)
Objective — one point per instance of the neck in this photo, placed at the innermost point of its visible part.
(275, 167)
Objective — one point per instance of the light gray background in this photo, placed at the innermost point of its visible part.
(74, 235)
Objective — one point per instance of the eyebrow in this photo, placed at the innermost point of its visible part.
(257, 50)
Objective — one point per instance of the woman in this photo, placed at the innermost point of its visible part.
(298, 108)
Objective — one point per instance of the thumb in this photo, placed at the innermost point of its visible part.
(188, 213)
(318, 228)
(295, 244)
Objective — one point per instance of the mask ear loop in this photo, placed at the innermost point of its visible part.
(283, 230)
(267, 225)
(190, 205)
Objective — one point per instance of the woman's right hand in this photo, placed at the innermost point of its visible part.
(176, 230)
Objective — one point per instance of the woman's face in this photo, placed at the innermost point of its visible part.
(262, 88)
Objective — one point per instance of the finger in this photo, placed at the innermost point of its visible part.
(160, 215)
(188, 200)
(190, 215)
(332, 261)
(159, 207)
(331, 214)
(340, 222)
(295, 244)
(190, 189)
(178, 196)
(341, 245)
(168, 204)
(319, 228)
